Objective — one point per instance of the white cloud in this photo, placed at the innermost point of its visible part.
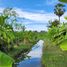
(1, 10)
(37, 18)
(36, 27)
(41, 17)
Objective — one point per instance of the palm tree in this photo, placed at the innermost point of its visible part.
(59, 10)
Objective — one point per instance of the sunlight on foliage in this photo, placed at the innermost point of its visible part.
(63, 1)
(5, 60)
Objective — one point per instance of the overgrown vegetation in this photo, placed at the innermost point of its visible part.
(55, 47)
(15, 41)
(53, 56)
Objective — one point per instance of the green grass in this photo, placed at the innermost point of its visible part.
(53, 56)
(63, 45)
(5, 60)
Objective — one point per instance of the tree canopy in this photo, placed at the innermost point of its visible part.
(59, 10)
(65, 1)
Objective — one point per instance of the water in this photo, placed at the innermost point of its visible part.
(35, 56)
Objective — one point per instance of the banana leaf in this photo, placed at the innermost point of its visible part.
(5, 60)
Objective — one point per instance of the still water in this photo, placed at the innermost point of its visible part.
(35, 56)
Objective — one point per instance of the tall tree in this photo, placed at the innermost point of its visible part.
(59, 10)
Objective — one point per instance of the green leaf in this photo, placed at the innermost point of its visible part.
(5, 60)
(65, 1)
(65, 17)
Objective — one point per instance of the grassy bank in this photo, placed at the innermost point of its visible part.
(53, 56)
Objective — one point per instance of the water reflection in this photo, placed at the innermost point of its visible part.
(33, 62)
(35, 56)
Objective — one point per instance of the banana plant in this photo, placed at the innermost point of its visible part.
(3, 60)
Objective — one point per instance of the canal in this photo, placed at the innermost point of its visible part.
(34, 55)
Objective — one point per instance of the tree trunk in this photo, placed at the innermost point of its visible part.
(59, 18)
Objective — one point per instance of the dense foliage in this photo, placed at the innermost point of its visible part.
(55, 46)
(15, 41)
(57, 31)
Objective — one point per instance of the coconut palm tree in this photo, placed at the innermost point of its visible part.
(59, 10)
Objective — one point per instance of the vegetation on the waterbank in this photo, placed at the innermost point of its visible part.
(55, 47)
(53, 56)
(15, 41)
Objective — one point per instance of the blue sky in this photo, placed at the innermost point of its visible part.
(36, 13)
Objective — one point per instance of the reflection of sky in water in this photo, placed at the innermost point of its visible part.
(33, 62)
(36, 50)
(35, 53)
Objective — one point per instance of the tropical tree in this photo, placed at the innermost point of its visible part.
(6, 29)
(59, 10)
(54, 23)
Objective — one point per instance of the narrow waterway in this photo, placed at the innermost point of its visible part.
(35, 56)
